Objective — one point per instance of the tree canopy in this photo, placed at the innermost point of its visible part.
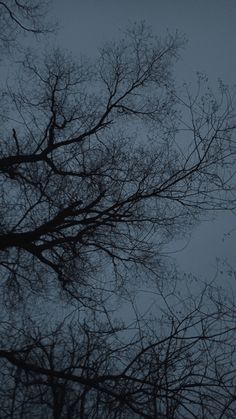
(102, 163)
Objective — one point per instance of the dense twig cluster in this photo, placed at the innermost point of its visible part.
(21, 17)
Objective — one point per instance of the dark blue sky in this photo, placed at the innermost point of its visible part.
(209, 26)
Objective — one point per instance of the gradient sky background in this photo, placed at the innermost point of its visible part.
(209, 26)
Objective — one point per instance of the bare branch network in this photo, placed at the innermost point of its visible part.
(22, 17)
(86, 369)
(101, 165)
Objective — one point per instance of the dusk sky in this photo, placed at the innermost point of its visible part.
(118, 209)
(210, 30)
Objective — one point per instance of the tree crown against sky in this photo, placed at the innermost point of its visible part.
(102, 164)
(86, 183)
(18, 18)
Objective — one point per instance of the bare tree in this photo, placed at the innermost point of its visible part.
(85, 184)
(180, 367)
(17, 17)
(101, 165)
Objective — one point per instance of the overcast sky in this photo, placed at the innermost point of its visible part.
(209, 26)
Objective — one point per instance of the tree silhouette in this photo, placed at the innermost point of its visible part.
(101, 165)
(17, 17)
(180, 366)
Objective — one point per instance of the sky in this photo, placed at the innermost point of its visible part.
(209, 27)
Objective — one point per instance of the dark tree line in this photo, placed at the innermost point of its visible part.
(89, 369)
(102, 164)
